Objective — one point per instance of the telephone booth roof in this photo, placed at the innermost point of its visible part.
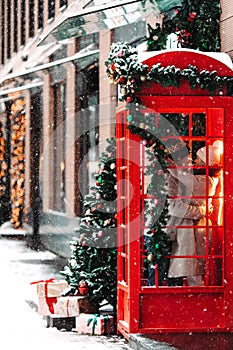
(182, 58)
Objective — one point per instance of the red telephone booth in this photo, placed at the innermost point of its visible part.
(204, 120)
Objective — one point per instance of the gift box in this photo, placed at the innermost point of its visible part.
(50, 288)
(68, 306)
(94, 324)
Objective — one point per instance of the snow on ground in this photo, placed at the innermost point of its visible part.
(20, 324)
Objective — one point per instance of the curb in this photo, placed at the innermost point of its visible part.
(139, 342)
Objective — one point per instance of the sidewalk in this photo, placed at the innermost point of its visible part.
(22, 327)
(20, 324)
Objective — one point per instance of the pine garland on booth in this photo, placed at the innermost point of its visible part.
(93, 261)
(156, 209)
(124, 69)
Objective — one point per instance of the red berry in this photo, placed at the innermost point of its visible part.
(122, 79)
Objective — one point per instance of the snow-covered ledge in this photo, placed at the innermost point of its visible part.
(222, 57)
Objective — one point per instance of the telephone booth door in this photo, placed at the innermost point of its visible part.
(149, 299)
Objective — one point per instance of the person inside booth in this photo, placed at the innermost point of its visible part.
(190, 205)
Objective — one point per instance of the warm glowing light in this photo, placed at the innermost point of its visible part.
(18, 119)
(219, 145)
(220, 210)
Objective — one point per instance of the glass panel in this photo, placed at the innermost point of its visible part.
(40, 13)
(31, 16)
(94, 19)
(179, 123)
(15, 25)
(51, 9)
(154, 198)
(216, 272)
(199, 124)
(192, 187)
(23, 22)
(59, 151)
(3, 30)
(63, 3)
(196, 145)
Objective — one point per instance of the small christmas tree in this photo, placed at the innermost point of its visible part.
(93, 261)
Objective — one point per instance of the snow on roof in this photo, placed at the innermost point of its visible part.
(222, 57)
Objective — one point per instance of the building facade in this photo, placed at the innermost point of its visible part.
(57, 108)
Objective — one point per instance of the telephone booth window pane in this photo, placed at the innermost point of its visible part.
(200, 191)
(179, 123)
(199, 124)
(196, 145)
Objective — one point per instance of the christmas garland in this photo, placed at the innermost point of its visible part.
(156, 207)
(124, 69)
(3, 177)
(3, 163)
(18, 162)
(195, 24)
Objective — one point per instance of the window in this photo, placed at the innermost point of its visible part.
(63, 3)
(23, 22)
(8, 28)
(15, 25)
(31, 16)
(36, 150)
(3, 33)
(40, 13)
(59, 191)
(51, 9)
(87, 154)
(192, 191)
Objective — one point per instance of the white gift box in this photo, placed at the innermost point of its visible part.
(69, 306)
(94, 324)
(50, 288)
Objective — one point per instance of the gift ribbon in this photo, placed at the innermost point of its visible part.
(94, 319)
(67, 307)
(49, 301)
(106, 322)
(45, 281)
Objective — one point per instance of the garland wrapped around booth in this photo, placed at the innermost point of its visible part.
(124, 69)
